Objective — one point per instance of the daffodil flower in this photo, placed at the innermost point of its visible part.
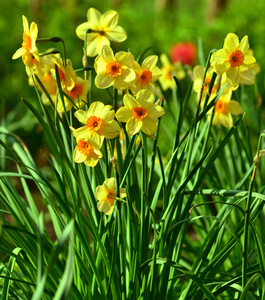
(85, 153)
(106, 195)
(100, 30)
(224, 109)
(168, 70)
(29, 40)
(146, 75)
(114, 70)
(234, 59)
(99, 124)
(140, 113)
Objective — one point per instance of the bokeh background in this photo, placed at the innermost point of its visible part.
(156, 23)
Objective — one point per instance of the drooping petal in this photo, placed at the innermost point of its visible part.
(78, 156)
(133, 126)
(234, 75)
(247, 77)
(149, 126)
(91, 48)
(105, 207)
(103, 81)
(102, 41)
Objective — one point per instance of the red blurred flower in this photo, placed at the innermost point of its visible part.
(185, 52)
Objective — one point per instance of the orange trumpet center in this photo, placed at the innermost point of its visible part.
(94, 123)
(139, 113)
(145, 77)
(84, 147)
(236, 58)
(77, 89)
(113, 69)
(221, 107)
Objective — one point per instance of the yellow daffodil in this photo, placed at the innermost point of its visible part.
(106, 195)
(66, 73)
(233, 59)
(146, 75)
(168, 70)
(224, 109)
(85, 153)
(101, 29)
(140, 113)
(29, 40)
(100, 124)
(49, 84)
(114, 70)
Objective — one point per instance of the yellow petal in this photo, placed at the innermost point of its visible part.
(133, 126)
(82, 28)
(244, 45)
(109, 19)
(231, 42)
(103, 81)
(18, 53)
(105, 207)
(149, 126)
(129, 101)
(124, 58)
(93, 16)
(233, 75)
(81, 116)
(123, 114)
(25, 25)
(150, 62)
(117, 34)
(144, 96)
(164, 60)
(107, 54)
(234, 107)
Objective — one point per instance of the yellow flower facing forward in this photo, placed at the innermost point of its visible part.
(106, 195)
(114, 70)
(140, 113)
(29, 40)
(85, 153)
(101, 29)
(224, 109)
(233, 59)
(168, 70)
(99, 124)
(146, 75)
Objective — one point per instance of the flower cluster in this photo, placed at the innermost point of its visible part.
(234, 65)
(118, 70)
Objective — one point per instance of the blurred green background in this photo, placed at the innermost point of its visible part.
(156, 23)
